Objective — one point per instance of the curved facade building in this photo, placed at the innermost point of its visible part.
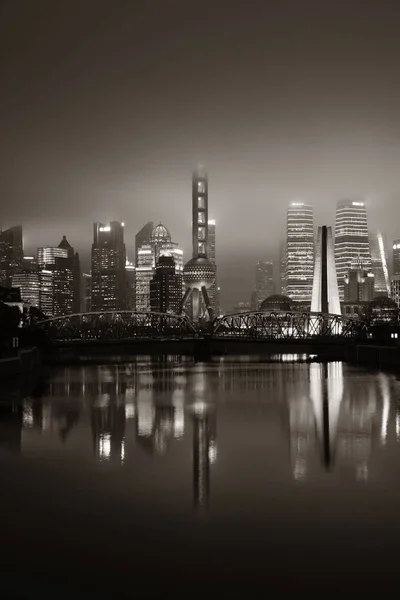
(351, 239)
(300, 251)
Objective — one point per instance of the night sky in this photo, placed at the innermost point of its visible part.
(105, 107)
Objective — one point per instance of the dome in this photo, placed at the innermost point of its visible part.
(277, 302)
(199, 272)
(160, 234)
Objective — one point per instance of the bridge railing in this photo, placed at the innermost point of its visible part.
(128, 325)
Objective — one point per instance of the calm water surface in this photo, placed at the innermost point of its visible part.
(171, 478)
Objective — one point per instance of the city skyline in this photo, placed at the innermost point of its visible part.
(230, 295)
(97, 129)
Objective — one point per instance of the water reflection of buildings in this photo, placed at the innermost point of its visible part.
(204, 451)
(332, 421)
(337, 424)
(108, 429)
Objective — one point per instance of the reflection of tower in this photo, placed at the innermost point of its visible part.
(326, 390)
(325, 294)
(199, 272)
(204, 452)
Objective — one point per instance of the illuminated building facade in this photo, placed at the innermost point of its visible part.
(64, 263)
(29, 285)
(108, 267)
(166, 287)
(159, 244)
(11, 253)
(46, 292)
(351, 240)
(379, 266)
(395, 289)
(46, 256)
(396, 257)
(130, 272)
(300, 251)
(144, 274)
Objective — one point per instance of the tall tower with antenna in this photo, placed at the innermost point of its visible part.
(199, 272)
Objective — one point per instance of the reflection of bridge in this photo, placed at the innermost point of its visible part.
(130, 326)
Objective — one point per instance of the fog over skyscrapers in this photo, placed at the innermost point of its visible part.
(300, 251)
(264, 282)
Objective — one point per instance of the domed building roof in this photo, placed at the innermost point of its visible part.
(277, 302)
(160, 234)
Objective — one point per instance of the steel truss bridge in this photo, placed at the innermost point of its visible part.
(127, 326)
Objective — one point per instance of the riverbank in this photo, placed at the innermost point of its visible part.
(25, 362)
(336, 350)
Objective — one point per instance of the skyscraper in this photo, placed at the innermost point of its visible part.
(395, 289)
(159, 244)
(75, 267)
(359, 285)
(300, 251)
(396, 257)
(283, 266)
(212, 257)
(46, 292)
(166, 287)
(144, 274)
(46, 256)
(199, 272)
(130, 272)
(264, 281)
(11, 253)
(379, 264)
(108, 267)
(351, 239)
(64, 263)
(143, 237)
(29, 284)
(86, 296)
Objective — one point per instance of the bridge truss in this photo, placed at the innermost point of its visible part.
(128, 325)
(117, 326)
(288, 325)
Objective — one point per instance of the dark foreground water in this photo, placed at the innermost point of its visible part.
(175, 479)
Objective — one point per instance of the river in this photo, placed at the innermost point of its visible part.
(168, 477)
